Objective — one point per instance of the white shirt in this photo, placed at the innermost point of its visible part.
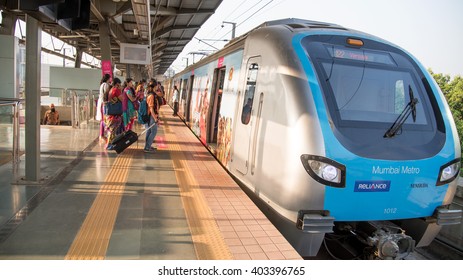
(103, 89)
(175, 97)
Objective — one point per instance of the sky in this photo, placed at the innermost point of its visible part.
(430, 30)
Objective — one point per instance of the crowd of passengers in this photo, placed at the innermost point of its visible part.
(120, 105)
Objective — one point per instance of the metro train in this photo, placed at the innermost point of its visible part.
(345, 135)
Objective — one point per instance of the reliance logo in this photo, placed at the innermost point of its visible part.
(372, 186)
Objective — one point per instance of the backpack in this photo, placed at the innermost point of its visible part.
(160, 100)
(143, 116)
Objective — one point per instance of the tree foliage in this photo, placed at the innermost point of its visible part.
(453, 91)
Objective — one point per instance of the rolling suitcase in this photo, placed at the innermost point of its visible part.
(125, 139)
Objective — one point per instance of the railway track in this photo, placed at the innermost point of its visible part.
(439, 249)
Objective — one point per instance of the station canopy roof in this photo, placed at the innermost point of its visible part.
(172, 23)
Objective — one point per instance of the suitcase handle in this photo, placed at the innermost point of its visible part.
(144, 131)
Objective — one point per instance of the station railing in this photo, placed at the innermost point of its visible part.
(10, 118)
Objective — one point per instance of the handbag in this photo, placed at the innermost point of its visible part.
(136, 104)
(113, 109)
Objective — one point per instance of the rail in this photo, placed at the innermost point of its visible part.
(15, 104)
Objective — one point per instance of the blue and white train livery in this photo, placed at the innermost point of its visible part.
(341, 133)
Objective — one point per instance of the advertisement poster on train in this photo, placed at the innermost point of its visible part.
(201, 98)
(199, 94)
(229, 100)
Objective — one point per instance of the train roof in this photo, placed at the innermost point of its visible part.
(293, 24)
(296, 23)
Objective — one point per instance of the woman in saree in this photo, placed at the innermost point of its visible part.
(114, 122)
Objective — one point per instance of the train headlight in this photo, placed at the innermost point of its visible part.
(331, 173)
(448, 172)
(325, 170)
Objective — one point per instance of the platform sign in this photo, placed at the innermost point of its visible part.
(220, 62)
(135, 54)
(106, 68)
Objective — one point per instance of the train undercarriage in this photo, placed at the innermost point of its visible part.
(368, 240)
(372, 240)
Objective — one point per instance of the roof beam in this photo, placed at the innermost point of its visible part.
(96, 12)
(165, 11)
(177, 27)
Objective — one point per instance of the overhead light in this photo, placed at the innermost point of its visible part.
(116, 0)
(135, 32)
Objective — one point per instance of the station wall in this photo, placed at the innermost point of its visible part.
(9, 76)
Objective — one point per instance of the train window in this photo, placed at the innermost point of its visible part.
(367, 89)
(399, 97)
(370, 93)
(249, 93)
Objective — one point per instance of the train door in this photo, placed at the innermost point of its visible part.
(188, 99)
(182, 99)
(216, 100)
(247, 119)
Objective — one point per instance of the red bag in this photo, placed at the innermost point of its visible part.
(136, 104)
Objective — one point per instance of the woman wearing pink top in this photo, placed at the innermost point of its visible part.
(113, 122)
(128, 109)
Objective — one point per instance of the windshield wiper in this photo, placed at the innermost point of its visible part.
(409, 109)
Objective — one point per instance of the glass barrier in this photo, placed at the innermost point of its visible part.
(75, 106)
(83, 105)
(10, 130)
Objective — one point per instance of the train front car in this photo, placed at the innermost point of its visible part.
(392, 153)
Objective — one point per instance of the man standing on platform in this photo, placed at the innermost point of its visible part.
(152, 125)
(175, 98)
(51, 116)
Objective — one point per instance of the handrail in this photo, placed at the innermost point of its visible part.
(10, 101)
(15, 102)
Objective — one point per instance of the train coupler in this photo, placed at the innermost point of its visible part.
(315, 221)
(390, 241)
(445, 217)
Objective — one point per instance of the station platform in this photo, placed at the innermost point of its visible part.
(176, 204)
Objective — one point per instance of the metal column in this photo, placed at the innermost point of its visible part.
(78, 60)
(8, 24)
(33, 59)
(105, 41)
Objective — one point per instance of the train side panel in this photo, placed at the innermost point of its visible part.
(283, 126)
(209, 93)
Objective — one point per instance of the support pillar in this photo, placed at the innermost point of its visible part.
(8, 24)
(78, 60)
(33, 61)
(137, 73)
(105, 42)
(128, 72)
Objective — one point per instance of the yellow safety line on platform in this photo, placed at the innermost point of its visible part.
(208, 240)
(92, 240)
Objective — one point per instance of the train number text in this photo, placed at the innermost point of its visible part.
(390, 210)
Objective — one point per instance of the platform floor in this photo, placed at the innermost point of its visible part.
(175, 204)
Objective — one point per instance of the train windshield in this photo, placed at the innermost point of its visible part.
(369, 88)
